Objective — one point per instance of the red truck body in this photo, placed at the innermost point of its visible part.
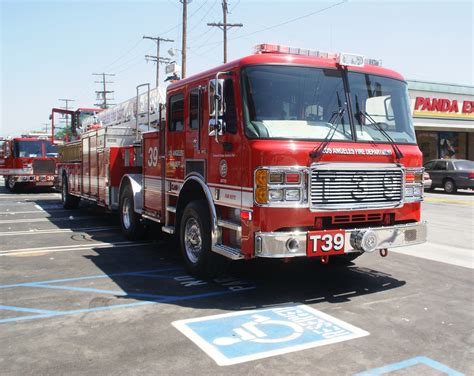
(28, 161)
(274, 155)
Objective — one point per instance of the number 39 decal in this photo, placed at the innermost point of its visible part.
(152, 156)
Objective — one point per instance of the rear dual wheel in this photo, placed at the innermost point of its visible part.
(130, 222)
(69, 201)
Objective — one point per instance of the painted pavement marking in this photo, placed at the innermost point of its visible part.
(76, 247)
(57, 231)
(406, 364)
(47, 219)
(218, 287)
(448, 201)
(239, 337)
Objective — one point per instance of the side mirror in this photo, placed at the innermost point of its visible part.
(216, 107)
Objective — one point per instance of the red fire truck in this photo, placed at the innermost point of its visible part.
(28, 161)
(285, 153)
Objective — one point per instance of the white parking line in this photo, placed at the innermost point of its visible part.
(47, 219)
(70, 248)
(57, 231)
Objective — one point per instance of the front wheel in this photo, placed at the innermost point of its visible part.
(195, 242)
(11, 185)
(450, 186)
(130, 222)
(69, 201)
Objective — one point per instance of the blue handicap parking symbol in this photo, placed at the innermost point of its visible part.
(243, 336)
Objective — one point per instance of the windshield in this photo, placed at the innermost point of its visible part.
(385, 101)
(293, 102)
(34, 148)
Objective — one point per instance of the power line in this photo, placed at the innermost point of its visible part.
(224, 26)
(292, 20)
(102, 94)
(125, 53)
(277, 25)
(202, 18)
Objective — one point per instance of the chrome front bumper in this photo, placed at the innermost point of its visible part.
(274, 244)
(43, 180)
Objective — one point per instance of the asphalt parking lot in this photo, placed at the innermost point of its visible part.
(78, 298)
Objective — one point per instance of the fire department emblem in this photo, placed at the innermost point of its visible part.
(223, 168)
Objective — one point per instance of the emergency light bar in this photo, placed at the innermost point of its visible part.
(345, 59)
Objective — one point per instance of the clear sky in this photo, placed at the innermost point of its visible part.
(49, 49)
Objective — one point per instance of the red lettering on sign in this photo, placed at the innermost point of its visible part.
(436, 104)
(426, 105)
(467, 107)
(439, 104)
(418, 102)
(454, 106)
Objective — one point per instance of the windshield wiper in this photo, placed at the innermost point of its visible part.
(336, 117)
(398, 152)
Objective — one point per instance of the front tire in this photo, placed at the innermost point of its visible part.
(11, 185)
(195, 242)
(69, 201)
(450, 186)
(130, 222)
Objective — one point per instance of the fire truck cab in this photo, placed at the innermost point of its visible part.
(285, 153)
(28, 161)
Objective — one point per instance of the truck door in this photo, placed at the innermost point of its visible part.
(225, 156)
(196, 140)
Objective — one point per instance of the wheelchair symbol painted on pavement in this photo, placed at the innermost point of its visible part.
(250, 332)
(243, 336)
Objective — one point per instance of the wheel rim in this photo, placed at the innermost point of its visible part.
(11, 183)
(126, 213)
(448, 186)
(193, 240)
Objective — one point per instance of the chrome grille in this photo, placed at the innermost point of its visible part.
(43, 166)
(336, 187)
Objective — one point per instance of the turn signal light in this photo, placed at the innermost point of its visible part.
(410, 177)
(261, 178)
(261, 195)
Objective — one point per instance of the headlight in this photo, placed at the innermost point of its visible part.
(280, 186)
(275, 194)
(414, 184)
(292, 195)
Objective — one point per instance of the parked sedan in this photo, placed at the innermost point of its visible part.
(451, 174)
(427, 182)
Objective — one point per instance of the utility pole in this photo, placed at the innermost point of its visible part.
(66, 107)
(183, 45)
(45, 127)
(224, 26)
(102, 94)
(158, 59)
